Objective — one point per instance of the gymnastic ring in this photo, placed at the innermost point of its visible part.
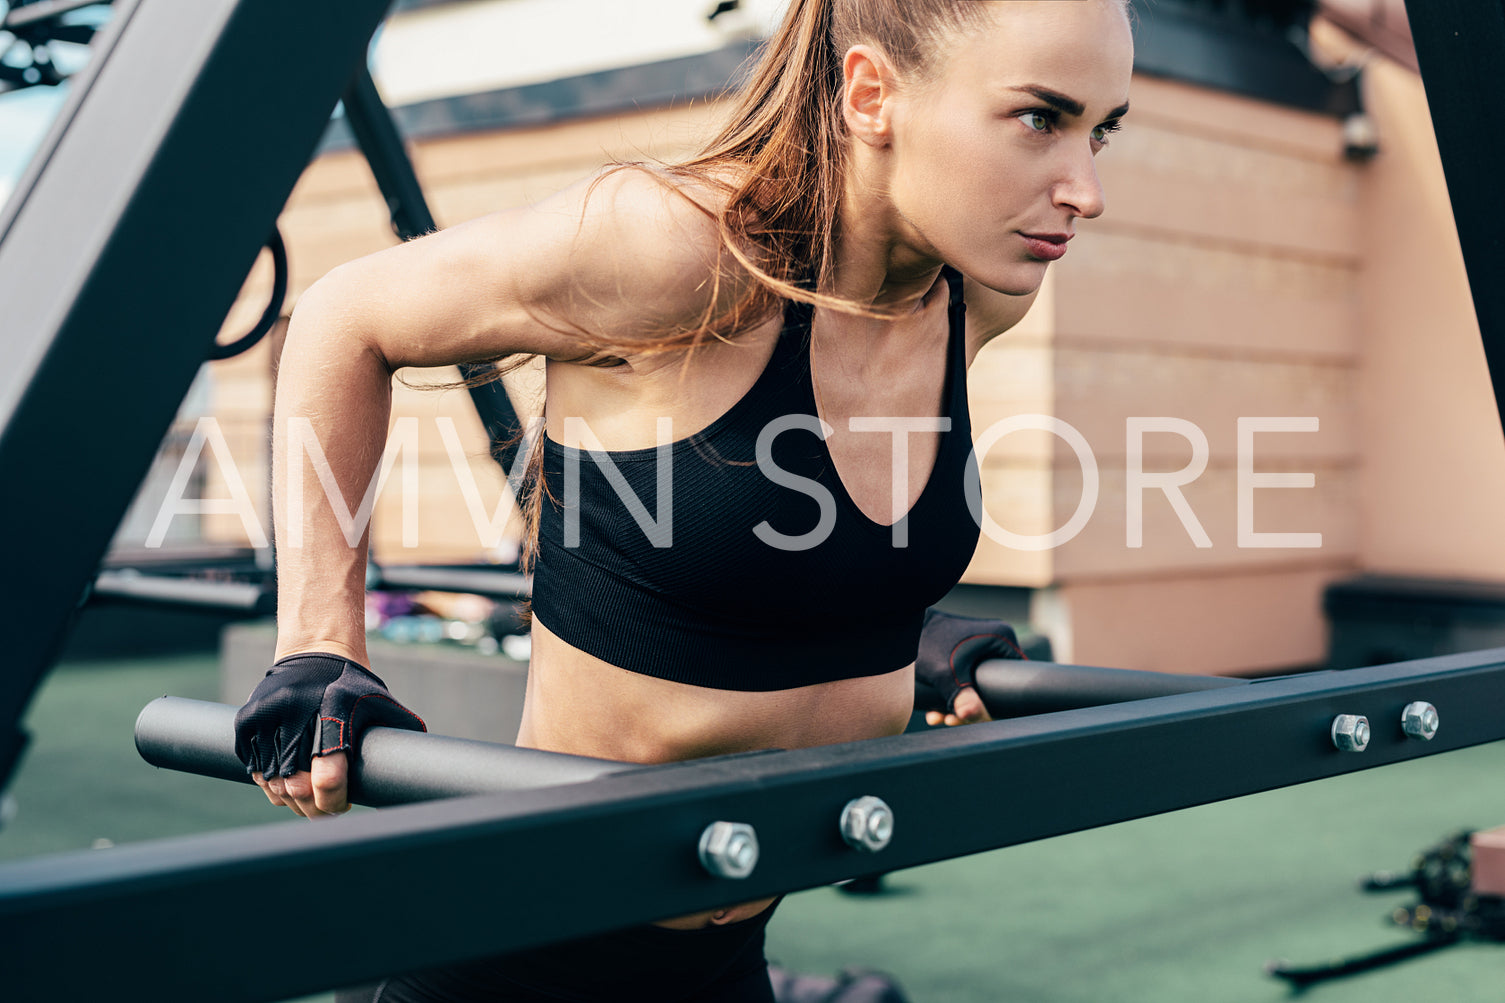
(273, 311)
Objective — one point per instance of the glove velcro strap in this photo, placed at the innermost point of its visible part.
(369, 710)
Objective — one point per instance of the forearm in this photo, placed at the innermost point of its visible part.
(333, 397)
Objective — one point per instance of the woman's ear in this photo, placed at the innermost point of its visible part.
(867, 97)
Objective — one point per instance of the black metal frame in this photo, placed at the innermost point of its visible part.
(1460, 45)
(415, 886)
(1242, 47)
(121, 203)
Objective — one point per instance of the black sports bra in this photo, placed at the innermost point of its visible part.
(758, 572)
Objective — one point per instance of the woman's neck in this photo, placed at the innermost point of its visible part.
(879, 260)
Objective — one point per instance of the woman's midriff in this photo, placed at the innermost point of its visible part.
(578, 704)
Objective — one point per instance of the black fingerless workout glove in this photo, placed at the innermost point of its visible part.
(951, 647)
(311, 705)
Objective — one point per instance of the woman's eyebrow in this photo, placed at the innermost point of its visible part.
(1071, 106)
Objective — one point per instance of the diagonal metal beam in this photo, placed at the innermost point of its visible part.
(1460, 45)
(120, 254)
(427, 884)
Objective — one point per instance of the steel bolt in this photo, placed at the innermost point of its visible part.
(1419, 720)
(1351, 732)
(729, 849)
(867, 823)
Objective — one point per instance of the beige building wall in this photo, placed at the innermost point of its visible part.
(1221, 284)
(1244, 270)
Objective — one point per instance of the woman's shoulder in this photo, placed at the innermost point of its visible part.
(626, 255)
(647, 250)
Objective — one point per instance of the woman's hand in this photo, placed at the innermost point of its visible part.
(302, 719)
(319, 791)
(951, 648)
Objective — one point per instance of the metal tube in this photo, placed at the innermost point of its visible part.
(401, 767)
(494, 583)
(1459, 46)
(393, 767)
(1012, 688)
(176, 591)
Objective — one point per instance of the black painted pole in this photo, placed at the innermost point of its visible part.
(393, 767)
(1022, 688)
(1460, 45)
(400, 767)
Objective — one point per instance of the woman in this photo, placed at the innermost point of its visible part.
(763, 313)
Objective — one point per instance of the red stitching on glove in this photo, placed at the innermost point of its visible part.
(339, 745)
(379, 696)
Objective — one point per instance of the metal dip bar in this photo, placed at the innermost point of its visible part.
(1021, 689)
(400, 767)
(394, 766)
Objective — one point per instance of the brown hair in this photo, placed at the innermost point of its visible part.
(785, 147)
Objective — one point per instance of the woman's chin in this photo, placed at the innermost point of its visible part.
(1013, 279)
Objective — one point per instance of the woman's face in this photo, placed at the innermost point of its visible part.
(992, 160)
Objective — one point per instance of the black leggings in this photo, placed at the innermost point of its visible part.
(717, 964)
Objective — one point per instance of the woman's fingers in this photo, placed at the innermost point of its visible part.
(320, 791)
(310, 793)
(266, 788)
(299, 793)
(968, 708)
(328, 780)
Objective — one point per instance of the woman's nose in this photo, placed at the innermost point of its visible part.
(1079, 189)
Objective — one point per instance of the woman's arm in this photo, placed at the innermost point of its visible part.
(625, 260)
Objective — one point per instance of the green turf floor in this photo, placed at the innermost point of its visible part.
(1183, 907)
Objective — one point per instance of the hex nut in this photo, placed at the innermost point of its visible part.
(729, 849)
(867, 823)
(1350, 732)
(1420, 720)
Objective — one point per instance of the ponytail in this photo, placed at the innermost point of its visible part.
(789, 141)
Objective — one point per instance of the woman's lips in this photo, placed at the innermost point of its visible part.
(1045, 246)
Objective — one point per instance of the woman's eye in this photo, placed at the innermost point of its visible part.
(1102, 132)
(1036, 120)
